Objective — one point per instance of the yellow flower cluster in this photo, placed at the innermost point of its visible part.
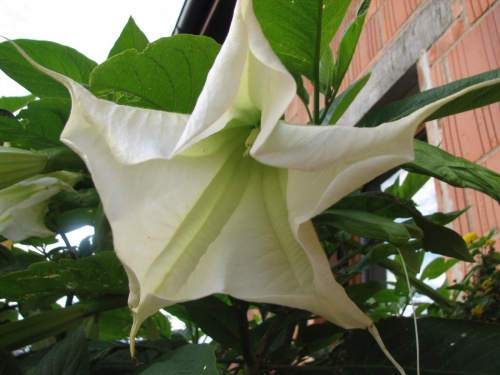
(470, 237)
(491, 243)
(477, 311)
(487, 285)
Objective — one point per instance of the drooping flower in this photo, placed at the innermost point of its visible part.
(23, 206)
(220, 201)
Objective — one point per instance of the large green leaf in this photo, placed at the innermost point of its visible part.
(168, 75)
(61, 59)
(46, 117)
(68, 356)
(474, 99)
(131, 37)
(291, 27)
(188, 359)
(12, 131)
(437, 238)
(216, 319)
(348, 44)
(456, 171)
(13, 103)
(101, 273)
(9, 365)
(437, 268)
(447, 346)
(344, 100)
(364, 224)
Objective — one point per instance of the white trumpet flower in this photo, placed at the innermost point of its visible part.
(23, 206)
(221, 201)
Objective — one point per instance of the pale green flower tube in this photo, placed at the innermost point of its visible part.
(17, 165)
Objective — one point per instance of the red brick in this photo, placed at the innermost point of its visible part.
(468, 136)
(374, 6)
(475, 8)
(438, 75)
(446, 41)
(493, 162)
(369, 44)
(457, 9)
(485, 212)
(478, 51)
(394, 13)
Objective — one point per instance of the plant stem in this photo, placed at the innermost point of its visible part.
(348, 257)
(250, 360)
(317, 58)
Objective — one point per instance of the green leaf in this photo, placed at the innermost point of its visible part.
(130, 37)
(419, 285)
(442, 218)
(14, 103)
(12, 131)
(38, 327)
(344, 100)
(456, 171)
(413, 259)
(188, 359)
(291, 29)
(178, 65)
(216, 319)
(437, 267)
(9, 365)
(325, 69)
(474, 99)
(46, 117)
(68, 356)
(360, 293)
(364, 224)
(442, 240)
(410, 186)
(437, 239)
(61, 59)
(447, 346)
(318, 336)
(348, 45)
(301, 90)
(102, 273)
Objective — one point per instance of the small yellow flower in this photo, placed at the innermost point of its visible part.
(490, 243)
(487, 285)
(477, 311)
(470, 237)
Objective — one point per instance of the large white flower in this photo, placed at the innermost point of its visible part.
(220, 201)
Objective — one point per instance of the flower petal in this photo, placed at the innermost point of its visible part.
(247, 78)
(23, 206)
(328, 162)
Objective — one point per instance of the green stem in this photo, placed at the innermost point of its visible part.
(422, 287)
(38, 327)
(317, 59)
(348, 257)
(250, 360)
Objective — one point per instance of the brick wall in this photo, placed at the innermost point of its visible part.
(469, 45)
